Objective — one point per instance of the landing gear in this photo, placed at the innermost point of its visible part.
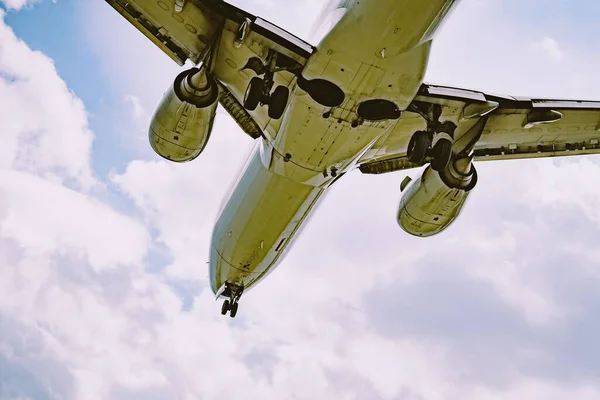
(233, 310)
(258, 93)
(225, 307)
(230, 305)
(435, 143)
(278, 102)
(259, 89)
(418, 146)
(254, 93)
(442, 153)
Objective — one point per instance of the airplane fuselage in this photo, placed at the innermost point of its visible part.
(376, 50)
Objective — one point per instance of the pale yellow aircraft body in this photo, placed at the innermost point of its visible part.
(355, 100)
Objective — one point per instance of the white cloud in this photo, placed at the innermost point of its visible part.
(499, 306)
(52, 219)
(54, 236)
(181, 200)
(44, 126)
(139, 113)
(550, 47)
(17, 4)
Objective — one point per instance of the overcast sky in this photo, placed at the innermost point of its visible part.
(104, 246)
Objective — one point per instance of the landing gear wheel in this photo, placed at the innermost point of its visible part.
(442, 153)
(254, 93)
(233, 310)
(417, 147)
(278, 102)
(225, 307)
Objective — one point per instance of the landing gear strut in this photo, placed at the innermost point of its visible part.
(259, 89)
(230, 305)
(435, 143)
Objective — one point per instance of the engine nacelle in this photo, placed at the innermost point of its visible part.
(433, 202)
(183, 121)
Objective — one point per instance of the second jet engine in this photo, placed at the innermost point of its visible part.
(183, 121)
(436, 199)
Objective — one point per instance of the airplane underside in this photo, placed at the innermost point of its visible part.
(356, 101)
(318, 141)
(264, 213)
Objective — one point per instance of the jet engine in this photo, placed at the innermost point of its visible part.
(184, 119)
(434, 201)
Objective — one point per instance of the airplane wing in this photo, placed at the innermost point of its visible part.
(191, 29)
(493, 128)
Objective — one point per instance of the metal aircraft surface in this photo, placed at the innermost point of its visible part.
(356, 100)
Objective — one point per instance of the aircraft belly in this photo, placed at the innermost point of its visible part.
(317, 139)
(257, 224)
(314, 142)
(321, 139)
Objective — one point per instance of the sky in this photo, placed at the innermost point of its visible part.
(104, 246)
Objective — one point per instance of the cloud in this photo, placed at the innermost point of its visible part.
(44, 125)
(104, 300)
(505, 50)
(139, 113)
(56, 238)
(39, 218)
(17, 4)
(550, 47)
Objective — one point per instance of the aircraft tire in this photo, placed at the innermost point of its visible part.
(417, 147)
(253, 94)
(225, 307)
(278, 103)
(442, 153)
(233, 310)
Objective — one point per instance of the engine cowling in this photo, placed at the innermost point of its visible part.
(183, 121)
(435, 200)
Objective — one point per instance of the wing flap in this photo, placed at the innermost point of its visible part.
(506, 136)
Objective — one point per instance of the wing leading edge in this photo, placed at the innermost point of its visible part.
(495, 128)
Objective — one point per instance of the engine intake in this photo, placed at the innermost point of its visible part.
(183, 121)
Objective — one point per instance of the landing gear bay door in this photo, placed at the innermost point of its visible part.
(236, 46)
(488, 127)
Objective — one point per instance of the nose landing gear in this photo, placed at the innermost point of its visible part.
(230, 305)
(435, 143)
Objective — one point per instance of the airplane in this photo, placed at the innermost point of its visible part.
(356, 100)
